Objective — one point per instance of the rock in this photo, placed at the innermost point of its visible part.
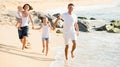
(89, 25)
(114, 27)
(56, 15)
(112, 21)
(116, 30)
(41, 15)
(83, 26)
(109, 28)
(102, 28)
(59, 31)
(82, 18)
(92, 18)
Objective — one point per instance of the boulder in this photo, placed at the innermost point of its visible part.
(102, 28)
(41, 15)
(82, 18)
(114, 27)
(92, 18)
(59, 31)
(56, 15)
(83, 26)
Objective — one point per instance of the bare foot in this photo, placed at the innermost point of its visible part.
(28, 44)
(46, 53)
(26, 47)
(22, 48)
(66, 58)
(72, 55)
(43, 51)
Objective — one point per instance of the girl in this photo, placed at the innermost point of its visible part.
(45, 26)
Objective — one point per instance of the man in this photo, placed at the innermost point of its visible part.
(69, 27)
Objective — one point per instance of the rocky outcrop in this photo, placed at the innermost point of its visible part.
(114, 27)
(38, 16)
(82, 18)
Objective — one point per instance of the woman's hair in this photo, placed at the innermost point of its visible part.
(30, 7)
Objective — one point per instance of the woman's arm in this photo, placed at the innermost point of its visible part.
(31, 21)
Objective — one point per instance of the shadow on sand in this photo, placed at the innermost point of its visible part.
(19, 52)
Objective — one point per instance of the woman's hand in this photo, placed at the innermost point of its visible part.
(33, 27)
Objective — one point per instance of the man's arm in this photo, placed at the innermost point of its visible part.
(56, 21)
(77, 28)
(52, 28)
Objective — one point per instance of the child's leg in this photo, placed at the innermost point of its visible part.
(43, 44)
(19, 23)
(47, 42)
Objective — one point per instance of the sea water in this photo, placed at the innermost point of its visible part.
(95, 49)
(110, 11)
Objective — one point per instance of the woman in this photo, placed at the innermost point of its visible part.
(23, 33)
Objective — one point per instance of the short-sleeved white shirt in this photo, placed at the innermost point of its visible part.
(69, 21)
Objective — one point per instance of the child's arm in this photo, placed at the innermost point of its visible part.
(19, 14)
(52, 28)
(38, 28)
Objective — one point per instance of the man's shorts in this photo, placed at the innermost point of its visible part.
(68, 36)
(23, 32)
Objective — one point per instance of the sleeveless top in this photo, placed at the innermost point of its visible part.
(25, 21)
(45, 31)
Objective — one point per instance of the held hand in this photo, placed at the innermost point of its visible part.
(33, 27)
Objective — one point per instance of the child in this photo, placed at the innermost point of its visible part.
(18, 17)
(45, 33)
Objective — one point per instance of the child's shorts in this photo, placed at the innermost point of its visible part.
(45, 38)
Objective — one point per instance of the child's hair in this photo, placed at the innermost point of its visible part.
(19, 8)
(30, 7)
(45, 18)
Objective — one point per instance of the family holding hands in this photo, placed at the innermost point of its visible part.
(70, 28)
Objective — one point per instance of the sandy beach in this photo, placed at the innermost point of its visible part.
(94, 49)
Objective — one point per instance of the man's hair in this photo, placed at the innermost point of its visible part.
(70, 4)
